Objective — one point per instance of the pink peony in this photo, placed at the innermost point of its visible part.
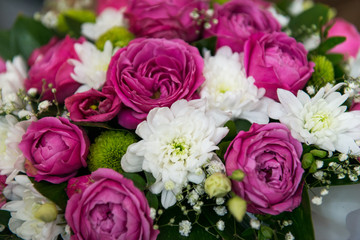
(116, 4)
(93, 106)
(50, 62)
(109, 208)
(54, 149)
(237, 20)
(351, 46)
(276, 60)
(270, 158)
(2, 65)
(2, 186)
(165, 18)
(151, 73)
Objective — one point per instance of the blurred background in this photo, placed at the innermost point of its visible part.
(347, 9)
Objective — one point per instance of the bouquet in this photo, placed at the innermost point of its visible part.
(185, 119)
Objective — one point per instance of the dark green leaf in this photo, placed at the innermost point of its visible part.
(242, 125)
(149, 178)
(4, 217)
(8, 235)
(329, 43)
(139, 182)
(232, 131)
(207, 43)
(335, 58)
(284, 5)
(54, 192)
(28, 34)
(70, 22)
(152, 200)
(6, 51)
(223, 146)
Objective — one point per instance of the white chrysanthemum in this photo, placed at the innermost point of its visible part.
(107, 19)
(11, 157)
(227, 88)
(91, 69)
(33, 217)
(320, 120)
(11, 82)
(177, 141)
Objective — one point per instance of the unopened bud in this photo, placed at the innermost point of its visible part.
(46, 212)
(237, 175)
(237, 207)
(217, 185)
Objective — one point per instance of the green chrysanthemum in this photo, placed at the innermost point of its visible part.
(108, 150)
(323, 72)
(118, 36)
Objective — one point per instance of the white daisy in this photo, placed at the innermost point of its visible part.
(11, 157)
(11, 82)
(320, 120)
(107, 19)
(91, 68)
(228, 89)
(177, 143)
(33, 217)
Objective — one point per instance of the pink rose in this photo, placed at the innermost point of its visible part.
(78, 185)
(351, 46)
(276, 60)
(165, 18)
(103, 4)
(151, 73)
(237, 20)
(93, 106)
(2, 65)
(270, 158)
(355, 106)
(54, 149)
(2, 186)
(110, 208)
(50, 62)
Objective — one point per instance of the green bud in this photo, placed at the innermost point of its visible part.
(307, 160)
(217, 185)
(323, 72)
(108, 149)
(313, 167)
(318, 153)
(220, 1)
(118, 36)
(237, 207)
(47, 212)
(237, 175)
(67, 20)
(266, 231)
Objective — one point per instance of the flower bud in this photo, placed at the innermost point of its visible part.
(217, 185)
(307, 160)
(237, 175)
(46, 212)
(237, 207)
(318, 153)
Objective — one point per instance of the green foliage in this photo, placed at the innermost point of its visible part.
(70, 21)
(25, 35)
(206, 43)
(152, 200)
(118, 36)
(138, 180)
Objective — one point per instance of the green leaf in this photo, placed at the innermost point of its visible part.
(315, 16)
(70, 21)
(149, 178)
(4, 217)
(207, 43)
(335, 58)
(242, 125)
(232, 131)
(6, 51)
(28, 34)
(54, 192)
(329, 43)
(139, 182)
(152, 200)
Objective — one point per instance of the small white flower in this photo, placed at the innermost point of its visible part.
(343, 157)
(193, 197)
(220, 225)
(283, 20)
(200, 189)
(49, 19)
(312, 42)
(185, 228)
(310, 90)
(220, 201)
(44, 105)
(28, 218)
(220, 210)
(255, 224)
(320, 120)
(32, 92)
(107, 19)
(90, 69)
(324, 192)
(341, 176)
(176, 142)
(215, 165)
(227, 88)
(289, 236)
(316, 200)
(152, 213)
(319, 175)
(319, 164)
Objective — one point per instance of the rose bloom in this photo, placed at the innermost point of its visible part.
(237, 20)
(151, 73)
(93, 106)
(50, 62)
(2, 65)
(109, 208)
(270, 158)
(351, 46)
(2, 186)
(54, 149)
(165, 18)
(101, 5)
(276, 60)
